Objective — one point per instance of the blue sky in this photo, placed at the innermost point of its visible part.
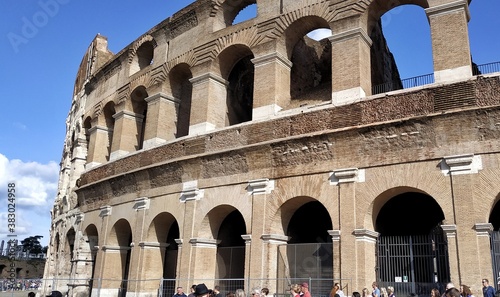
(42, 43)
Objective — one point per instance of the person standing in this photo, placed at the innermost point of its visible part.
(376, 290)
(180, 293)
(193, 287)
(305, 290)
(216, 291)
(339, 290)
(390, 291)
(488, 290)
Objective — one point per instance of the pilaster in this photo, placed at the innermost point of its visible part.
(126, 135)
(451, 235)
(483, 248)
(209, 97)
(351, 66)
(161, 120)
(99, 146)
(271, 85)
(365, 255)
(450, 40)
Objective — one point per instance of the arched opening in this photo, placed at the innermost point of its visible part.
(182, 90)
(484, 21)
(401, 52)
(231, 251)
(91, 238)
(161, 258)
(311, 55)
(237, 68)
(87, 124)
(140, 108)
(309, 252)
(120, 238)
(246, 14)
(495, 239)
(143, 57)
(412, 248)
(70, 243)
(226, 15)
(108, 112)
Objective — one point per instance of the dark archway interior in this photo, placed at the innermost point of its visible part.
(231, 230)
(310, 224)
(409, 214)
(231, 249)
(495, 217)
(170, 260)
(240, 91)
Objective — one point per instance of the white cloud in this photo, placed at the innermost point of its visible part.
(35, 190)
(319, 34)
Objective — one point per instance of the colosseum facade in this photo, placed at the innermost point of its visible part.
(249, 155)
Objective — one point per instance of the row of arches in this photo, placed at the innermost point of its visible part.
(231, 93)
(307, 224)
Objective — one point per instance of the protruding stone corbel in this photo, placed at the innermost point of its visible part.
(260, 186)
(204, 242)
(483, 229)
(450, 230)
(366, 235)
(190, 191)
(141, 203)
(105, 211)
(335, 234)
(275, 238)
(461, 164)
(348, 175)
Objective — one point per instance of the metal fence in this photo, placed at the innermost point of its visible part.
(487, 68)
(404, 84)
(429, 79)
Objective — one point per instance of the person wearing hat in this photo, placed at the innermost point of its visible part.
(55, 294)
(305, 290)
(201, 290)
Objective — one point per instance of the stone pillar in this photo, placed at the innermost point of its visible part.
(113, 264)
(460, 170)
(345, 181)
(483, 249)
(271, 243)
(204, 255)
(451, 236)
(351, 64)
(450, 40)
(98, 147)
(151, 267)
(261, 190)
(271, 85)
(248, 240)
(209, 100)
(366, 260)
(337, 252)
(186, 259)
(126, 133)
(136, 276)
(269, 8)
(105, 212)
(161, 120)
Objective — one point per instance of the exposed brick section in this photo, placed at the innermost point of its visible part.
(390, 108)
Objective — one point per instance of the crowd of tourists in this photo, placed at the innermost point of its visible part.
(302, 290)
(20, 284)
